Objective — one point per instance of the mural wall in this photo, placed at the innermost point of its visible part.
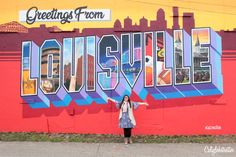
(59, 81)
(116, 68)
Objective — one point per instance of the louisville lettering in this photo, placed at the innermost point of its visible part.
(89, 68)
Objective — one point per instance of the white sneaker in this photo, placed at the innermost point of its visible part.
(126, 140)
(130, 140)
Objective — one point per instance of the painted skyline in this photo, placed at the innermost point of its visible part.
(16, 32)
(217, 14)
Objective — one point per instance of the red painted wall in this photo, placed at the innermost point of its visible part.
(166, 117)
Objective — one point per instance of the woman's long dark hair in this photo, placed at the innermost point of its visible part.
(124, 100)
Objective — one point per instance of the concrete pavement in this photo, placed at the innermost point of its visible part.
(74, 149)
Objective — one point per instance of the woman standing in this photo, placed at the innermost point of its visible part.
(126, 117)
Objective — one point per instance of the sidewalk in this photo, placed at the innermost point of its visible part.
(74, 149)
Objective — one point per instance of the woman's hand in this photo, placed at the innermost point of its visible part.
(113, 100)
(143, 103)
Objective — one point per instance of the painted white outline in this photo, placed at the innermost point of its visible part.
(208, 52)
(86, 58)
(183, 67)
(76, 62)
(30, 63)
(73, 48)
(165, 68)
(48, 59)
(40, 56)
(63, 61)
(102, 72)
(131, 52)
(152, 34)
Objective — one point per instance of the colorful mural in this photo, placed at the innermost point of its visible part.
(125, 57)
(58, 75)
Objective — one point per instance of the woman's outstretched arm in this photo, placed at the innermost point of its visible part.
(113, 100)
(136, 104)
(143, 103)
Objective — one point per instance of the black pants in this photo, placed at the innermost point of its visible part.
(127, 132)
